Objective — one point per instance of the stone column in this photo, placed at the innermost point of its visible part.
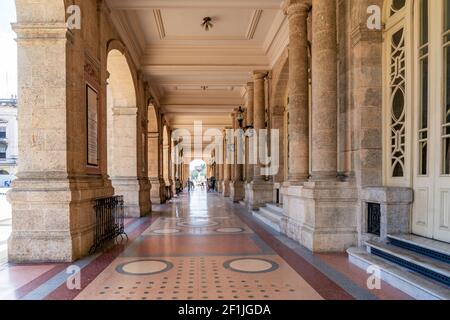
(237, 191)
(226, 168)
(219, 163)
(298, 127)
(249, 120)
(220, 178)
(321, 213)
(259, 112)
(158, 194)
(324, 91)
(259, 191)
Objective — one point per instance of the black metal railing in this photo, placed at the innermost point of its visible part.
(374, 219)
(109, 221)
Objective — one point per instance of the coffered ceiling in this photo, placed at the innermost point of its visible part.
(198, 74)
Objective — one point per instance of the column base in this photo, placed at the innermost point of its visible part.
(258, 193)
(226, 188)
(145, 202)
(158, 192)
(237, 191)
(53, 217)
(219, 186)
(321, 215)
(130, 189)
(170, 189)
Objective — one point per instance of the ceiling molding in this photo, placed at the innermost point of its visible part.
(159, 23)
(158, 4)
(279, 43)
(254, 21)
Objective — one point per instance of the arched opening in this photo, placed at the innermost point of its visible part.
(155, 173)
(122, 132)
(198, 174)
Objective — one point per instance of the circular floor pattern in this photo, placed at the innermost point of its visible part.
(197, 223)
(230, 230)
(144, 267)
(251, 265)
(166, 231)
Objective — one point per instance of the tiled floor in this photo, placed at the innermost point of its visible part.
(198, 247)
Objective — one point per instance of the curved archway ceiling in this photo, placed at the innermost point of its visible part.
(198, 74)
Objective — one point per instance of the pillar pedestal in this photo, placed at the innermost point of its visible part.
(52, 221)
(321, 215)
(130, 189)
(226, 188)
(258, 193)
(219, 186)
(237, 191)
(158, 192)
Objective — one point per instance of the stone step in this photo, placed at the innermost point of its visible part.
(268, 219)
(413, 284)
(424, 265)
(435, 249)
(275, 207)
(275, 215)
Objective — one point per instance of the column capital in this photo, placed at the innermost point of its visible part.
(296, 7)
(260, 74)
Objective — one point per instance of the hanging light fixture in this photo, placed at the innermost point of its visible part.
(207, 23)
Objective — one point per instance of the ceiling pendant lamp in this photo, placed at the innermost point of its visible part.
(207, 23)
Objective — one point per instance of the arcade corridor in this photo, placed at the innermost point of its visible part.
(198, 247)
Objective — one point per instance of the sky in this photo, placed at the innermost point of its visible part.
(8, 50)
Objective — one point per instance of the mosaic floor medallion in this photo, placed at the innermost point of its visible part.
(166, 231)
(197, 223)
(144, 267)
(230, 230)
(251, 265)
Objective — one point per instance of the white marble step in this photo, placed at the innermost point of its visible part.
(268, 217)
(275, 208)
(425, 243)
(412, 257)
(275, 215)
(417, 286)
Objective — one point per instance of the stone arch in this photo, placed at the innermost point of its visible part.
(122, 129)
(280, 84)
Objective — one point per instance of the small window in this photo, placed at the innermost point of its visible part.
(374, 219)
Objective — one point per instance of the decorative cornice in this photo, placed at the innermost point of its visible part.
(31, 31)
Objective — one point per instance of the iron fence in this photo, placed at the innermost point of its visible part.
(109, 221)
